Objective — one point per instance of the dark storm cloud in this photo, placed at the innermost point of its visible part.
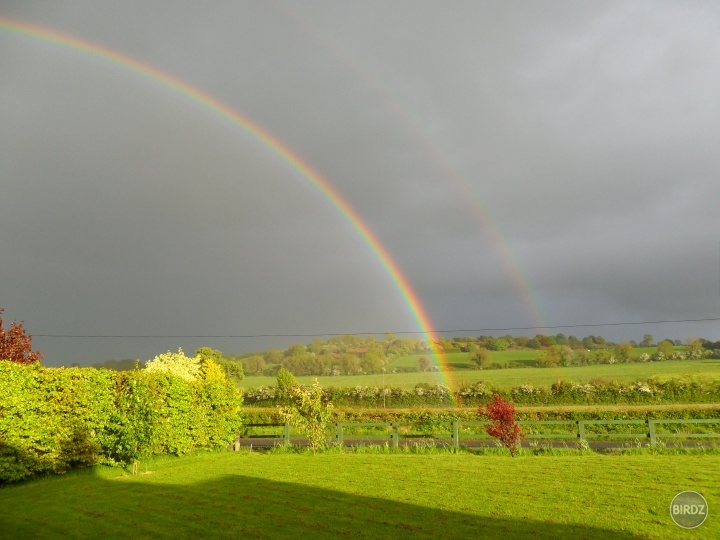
(524, 163)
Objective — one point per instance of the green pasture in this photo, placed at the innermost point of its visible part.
(504, 378)
(462, 360)
(331, 495)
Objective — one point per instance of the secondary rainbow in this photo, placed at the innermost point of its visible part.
(408, 294)
(450, 172)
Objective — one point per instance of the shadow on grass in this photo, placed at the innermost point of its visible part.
(236, 506)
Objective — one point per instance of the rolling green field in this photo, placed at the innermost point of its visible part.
(462, 360)
(505, 378)
(252, 495)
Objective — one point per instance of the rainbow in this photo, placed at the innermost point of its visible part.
(408, 294)
(450, 172)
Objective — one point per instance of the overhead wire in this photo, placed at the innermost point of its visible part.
(331, 334)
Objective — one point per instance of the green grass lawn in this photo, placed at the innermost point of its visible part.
(504, 378)
(252, 495)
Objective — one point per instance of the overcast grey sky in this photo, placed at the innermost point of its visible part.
(524, 163)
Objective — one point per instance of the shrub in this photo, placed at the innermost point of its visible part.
(175, 364)
(499, 344)
(15, 344)
(310, 413)
(503, 427)
(482, 357)
(53, 419)
(285, 381)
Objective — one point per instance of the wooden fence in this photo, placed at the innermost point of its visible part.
(457, 431)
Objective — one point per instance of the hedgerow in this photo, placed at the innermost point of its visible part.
(437, 421)
(259, 415)
(600, 392)
(53, 419)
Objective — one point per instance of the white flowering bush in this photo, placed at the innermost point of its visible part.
(177, 364)
(638, 387)
(475, 391)
(261, 393)
(584, 389)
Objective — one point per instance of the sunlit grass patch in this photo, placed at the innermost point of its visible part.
(367, 495)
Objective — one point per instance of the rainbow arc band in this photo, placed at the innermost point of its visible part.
(410, 297)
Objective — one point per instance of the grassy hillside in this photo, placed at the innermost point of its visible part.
(504, 378)
(462, 360)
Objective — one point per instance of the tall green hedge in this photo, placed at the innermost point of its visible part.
(54, 419)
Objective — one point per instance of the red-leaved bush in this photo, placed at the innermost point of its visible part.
(504, 427)
(15, 344)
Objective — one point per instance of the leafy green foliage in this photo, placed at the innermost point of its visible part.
(126, 364)
(285, 381)
(54, 419)
(562, 392)
(666, 348)
(482, 358)
(175, 364)
(310, 412)
(232, 370)
(500, 344)
(255, 365)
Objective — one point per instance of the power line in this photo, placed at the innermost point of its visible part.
(475, 330)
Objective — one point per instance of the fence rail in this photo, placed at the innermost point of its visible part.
(576, 430)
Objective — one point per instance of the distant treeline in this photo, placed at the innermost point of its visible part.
(126, 364)
(355, 355)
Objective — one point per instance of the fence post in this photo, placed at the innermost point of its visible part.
(395, 435)
(340, 433)
(456, 433)
(581, 430)
(286, 434)
(651, 431)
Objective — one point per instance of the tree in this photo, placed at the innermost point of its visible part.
(695, 348)
(499, 344)
(666, 348)
(15, 344)
(624, 353)
(285, 381)
(503, 426)
(482, 357)
(297, 349)
(647, 340)
(273, 356)
(175, 364)
(310, 413)
(557, 355)
(423, 363)
(546, 341)
(232, 370)
(255, 365)
(372, 361)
